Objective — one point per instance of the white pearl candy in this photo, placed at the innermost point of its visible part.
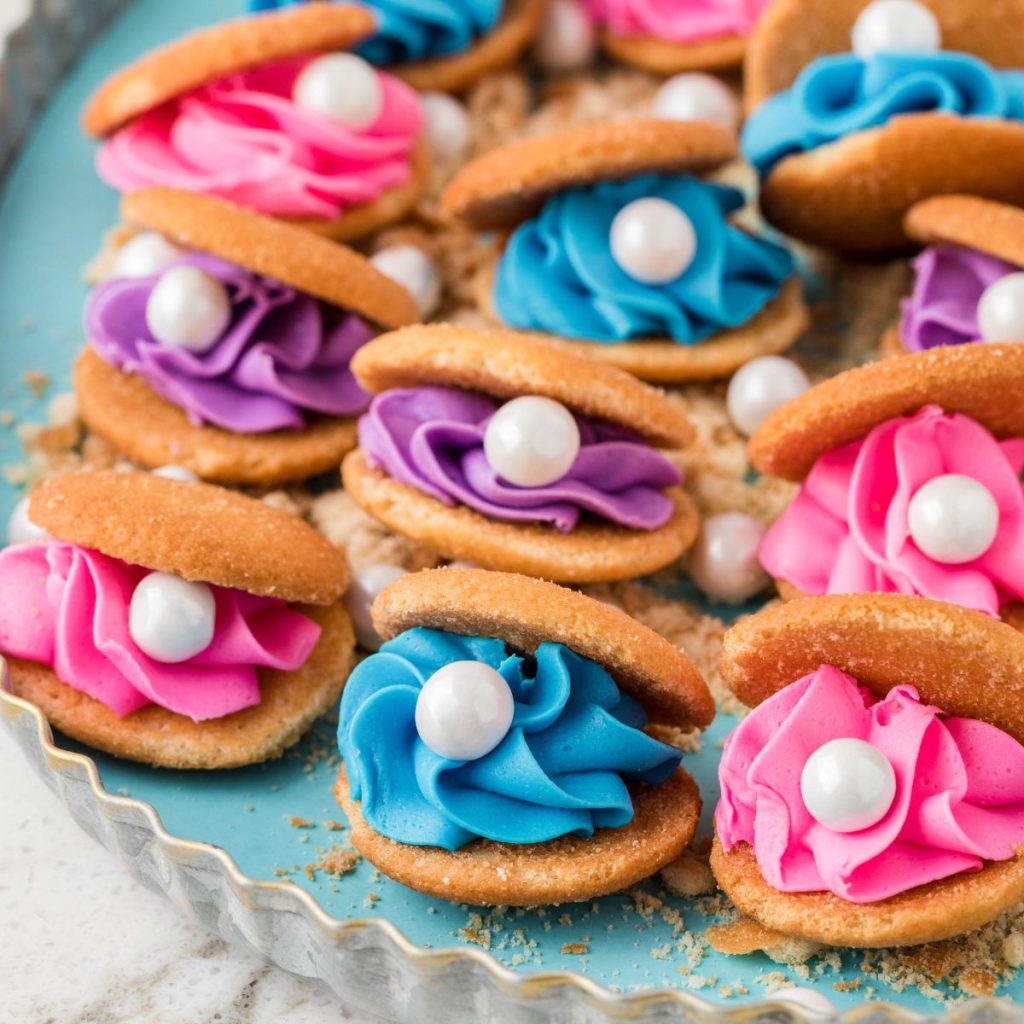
(760, 387)
(188, 309)
(145, 255)
(171, 619)
(953, 518)
(652, 240)
(694, 96)
(172, 472)
(532, 441)
(21, 529)
(724, 561)
(1001, 309)
(464, 710)
(567, 37)
(415, 271)
(806, 999)
(447, 126)
(848, 785)
(887, 25)
(343, 87)
(359, 597)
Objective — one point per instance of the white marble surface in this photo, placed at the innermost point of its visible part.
(81, 943)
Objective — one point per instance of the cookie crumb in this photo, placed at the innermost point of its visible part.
(575, 949)
(301, 822)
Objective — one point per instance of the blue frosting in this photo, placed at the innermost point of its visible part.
(410, 30)
(837, 95)
(557, 273)
(562, 768)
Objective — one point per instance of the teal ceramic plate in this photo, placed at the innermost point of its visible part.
(278, 822)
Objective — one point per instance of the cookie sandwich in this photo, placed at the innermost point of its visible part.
(222, 341)
(173, 623)
(442, 47)
(874, 796)
(672, 36)
(616, 245)
(500, 450)
(968, 278)
(269, 112)
(910, 472)
(858, 110)
(505, 745)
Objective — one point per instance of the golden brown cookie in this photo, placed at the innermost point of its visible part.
(193, 530)
(928, 913)
(664, 57)
(563, 870)
(211, 53)
(985, 382)
(289, 704)
(663, 361)
(527, 612)
(509, 184)
(593, 552)
(497, 49)
(273, 248)
(127, 413)
(971, 223)
(507, 364)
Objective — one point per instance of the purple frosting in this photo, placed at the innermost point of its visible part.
(283, 356)
(948, 284)
(432, 439)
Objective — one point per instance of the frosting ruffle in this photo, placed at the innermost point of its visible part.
(432, 439)
(411, 30)
(677, 21)
(243, 138)
(557, 273)
(283, 356)
(562, 769)
(67, 607)
(838, 95)
(959, 791)
(847, 529)
(948, 284)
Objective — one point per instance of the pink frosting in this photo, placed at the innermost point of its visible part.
(67, 607)
(242, 138)
(959, 791)
(847, 531)
(678, 21)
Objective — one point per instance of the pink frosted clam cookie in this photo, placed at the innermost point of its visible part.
(270, 113)
(148, 624)
(873, 797)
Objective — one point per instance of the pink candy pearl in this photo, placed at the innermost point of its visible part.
(724, 562)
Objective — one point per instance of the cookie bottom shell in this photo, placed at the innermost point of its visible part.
(664, 57)
(564, 870)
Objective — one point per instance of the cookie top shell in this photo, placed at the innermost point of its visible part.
(193, 530)
(970, 222)
(509, 184)
(210, 53)
(527, 612)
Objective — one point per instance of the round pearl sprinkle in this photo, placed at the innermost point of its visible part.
(532, 441)
(567, 37)
(171, 619)
(362, 591)
(21, 529)
(145, 255)
(652, 240)
(760, 387)
(180, 473)
(464, 710)
(415, 271)
(447, 126)
(887, 25)
(724, 562)
(953, 518)
(694, 96)
(806, 999)
(188, 309)
(1001, 309)
(343, 87)
(848, 785)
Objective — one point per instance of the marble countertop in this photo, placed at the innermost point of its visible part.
(81, 943)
